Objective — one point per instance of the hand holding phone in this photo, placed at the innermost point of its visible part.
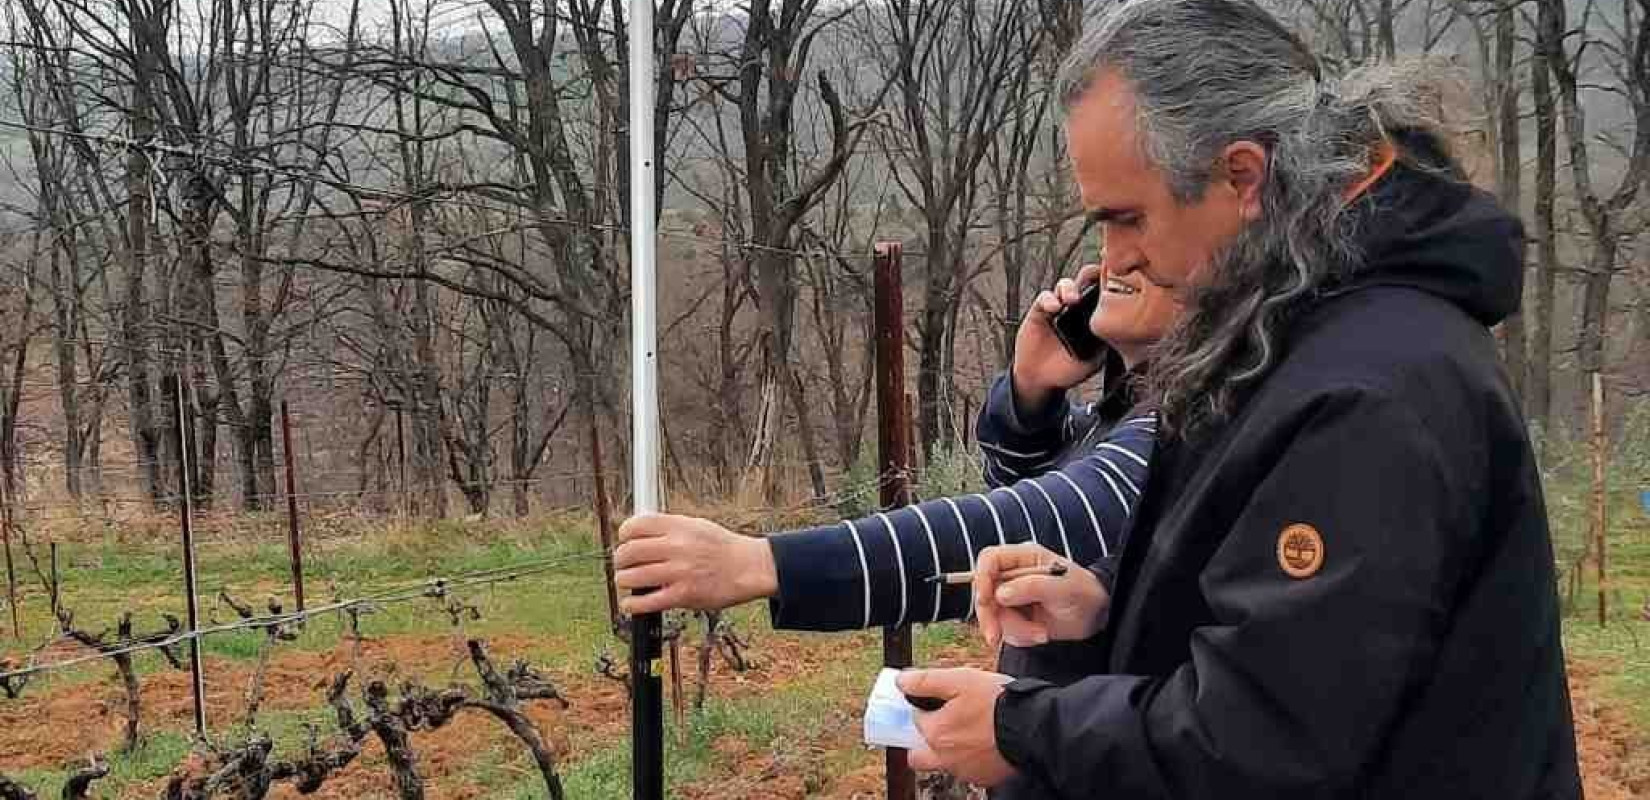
(1054, 350)
(1071, 324)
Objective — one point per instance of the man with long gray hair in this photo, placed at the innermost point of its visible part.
(1340, 582)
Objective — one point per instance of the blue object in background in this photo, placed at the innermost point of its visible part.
(1644, 499)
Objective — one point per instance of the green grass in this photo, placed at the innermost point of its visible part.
(563, 616)
(562, 613)
(155, 758)
(1620, 650)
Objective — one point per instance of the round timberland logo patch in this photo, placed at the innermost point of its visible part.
(1300, 550)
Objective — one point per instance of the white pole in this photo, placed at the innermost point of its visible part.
(644, 357)
(646, 688)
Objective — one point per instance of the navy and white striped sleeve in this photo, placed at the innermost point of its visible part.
(874, 571)
(1015, 445)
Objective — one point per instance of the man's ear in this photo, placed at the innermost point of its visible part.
(1245, 166)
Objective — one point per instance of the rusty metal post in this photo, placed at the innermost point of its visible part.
(893, 463)
(186, 525)
(294, 542)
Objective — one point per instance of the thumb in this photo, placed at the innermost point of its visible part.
(939, 683)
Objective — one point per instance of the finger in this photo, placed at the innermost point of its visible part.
(924, 760)
(985, 603)
(1048, 303)
(645, 577)
(637, 552)
(994, 562)
(1068, 291)
(651, 603)
(985, 612)
(988, 569)
(1033, 590)
(1089, 274)
(643, 526)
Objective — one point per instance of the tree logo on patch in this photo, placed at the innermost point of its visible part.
(1300, 550)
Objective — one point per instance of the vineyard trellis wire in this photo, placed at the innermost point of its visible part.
(429, 587)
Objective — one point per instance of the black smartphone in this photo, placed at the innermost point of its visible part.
(1071, 324)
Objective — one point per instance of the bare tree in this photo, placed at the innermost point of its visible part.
(1625, 74)
(1538, 387)
(959, 66)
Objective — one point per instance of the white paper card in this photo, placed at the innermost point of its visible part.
(890, 719)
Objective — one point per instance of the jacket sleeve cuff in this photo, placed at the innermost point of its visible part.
(1105, 571)
(1087, 738)
(821, 587)
(1035, 422)
(1021, 709)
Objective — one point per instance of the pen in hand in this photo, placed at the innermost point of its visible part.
(1055, 568)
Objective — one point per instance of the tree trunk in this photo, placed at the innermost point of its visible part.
(141, 414)
(1509, 175)
(1539, 387)
(1595, 301)
(816, 475)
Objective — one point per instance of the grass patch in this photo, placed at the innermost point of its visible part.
(1619, 652)
(158, 754)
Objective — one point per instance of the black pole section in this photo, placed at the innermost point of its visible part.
(647, 710)
(294, 541)
(186, 524)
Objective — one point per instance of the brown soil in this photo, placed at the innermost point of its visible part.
(1615, 758)
(51, 729)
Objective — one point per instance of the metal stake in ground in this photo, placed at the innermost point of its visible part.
(293, 542)
(186, 525)
(647, 713)
(893, 463)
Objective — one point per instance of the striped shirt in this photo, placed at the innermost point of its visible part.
(1054, 480)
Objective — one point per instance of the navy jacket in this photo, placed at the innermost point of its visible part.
(1346, 589)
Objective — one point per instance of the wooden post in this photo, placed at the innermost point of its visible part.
(678, 703)
(893, 463)
(1600, 450)
(56, 592)
(912, 463)
(604, 525)
(186, 525)
(11, 567)
(401, 456)
(294, 544)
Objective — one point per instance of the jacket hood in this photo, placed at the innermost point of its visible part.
(1424, 226)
